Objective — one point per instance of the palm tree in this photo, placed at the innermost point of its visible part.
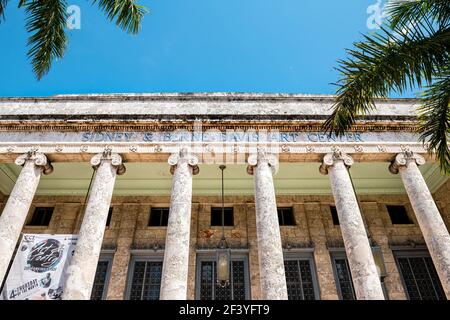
(411, 51)
(46, 22)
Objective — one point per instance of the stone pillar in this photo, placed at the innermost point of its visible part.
(430, 221)
(81, 272)
(174, 279)
(270, 252)
(16, 209)
(365, 277)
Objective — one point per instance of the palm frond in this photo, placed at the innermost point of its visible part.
(392, 60)
(404, 12)
(46, 20)
(434, 118)
(3, 4)
(127, 13)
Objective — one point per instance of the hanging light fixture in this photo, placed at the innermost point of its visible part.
(223, 251)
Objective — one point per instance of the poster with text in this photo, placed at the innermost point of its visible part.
(39, 267)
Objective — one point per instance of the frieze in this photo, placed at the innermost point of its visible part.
(228, 136)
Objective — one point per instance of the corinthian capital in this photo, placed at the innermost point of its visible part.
(39, 159)
(183, 155)
(402, 159)
(262, 157)
(114, 158)
(331, 158)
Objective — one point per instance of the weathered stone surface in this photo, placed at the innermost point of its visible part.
(18, 204)
(321, 229)
(430, 221)
(270, 251)
(360, 259)
(176, 255)
(81, 272)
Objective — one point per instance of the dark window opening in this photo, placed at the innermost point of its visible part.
(41, 216)
(344, 279)
(98, 289)
(286, 216)
(210, 290)
(159, 217)
(146, 280)
(420, 278)
(334, 215)
(216, 216)
(299, 280)
(108, 220)
(398, 215)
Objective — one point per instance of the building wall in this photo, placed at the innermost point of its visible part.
(314, 227)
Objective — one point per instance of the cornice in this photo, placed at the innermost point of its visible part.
(191, 96)
(283, 126)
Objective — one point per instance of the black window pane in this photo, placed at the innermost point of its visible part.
(100, 280)
(398, 215)
(41, 216)
(238, 277)
(210, 290)
(216, 216)
(420, 278)
(299, 280)
(334, 215)
(286, 216)
(108, 220)
(159, 217)
(344, 279)
(146, 281)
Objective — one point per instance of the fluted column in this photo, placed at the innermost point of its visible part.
(365, 277)
(81, 272)
(174, 279)
(270, 252)
(18, 204)
(430, 221)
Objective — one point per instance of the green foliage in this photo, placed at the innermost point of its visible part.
(3, 4)
(128, 13)
(412, 50)
(46, 22)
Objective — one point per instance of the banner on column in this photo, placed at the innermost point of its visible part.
(39, 268)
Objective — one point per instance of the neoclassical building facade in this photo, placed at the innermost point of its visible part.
(306, 215)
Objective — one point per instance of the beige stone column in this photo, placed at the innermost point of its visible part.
(270, 252)
(16, 209)
(365, 277)
(174, 279)
(81, 272)
(430, 221)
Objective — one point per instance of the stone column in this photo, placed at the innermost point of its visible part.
(430, 221)
(174, 279)
(270, 252)
(16, 209)
(365, 277)
(81, 272)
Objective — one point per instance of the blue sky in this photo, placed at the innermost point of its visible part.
(288, 46)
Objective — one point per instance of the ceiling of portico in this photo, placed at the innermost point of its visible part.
(155, 179)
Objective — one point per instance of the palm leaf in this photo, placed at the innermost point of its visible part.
(435, 118)
(394, 60)
(404, 12)
(127, 13)
(46, 21)
(3, 4)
